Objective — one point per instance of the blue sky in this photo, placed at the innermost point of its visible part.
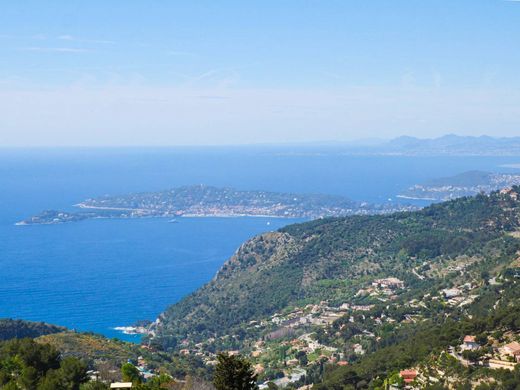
(232, 72)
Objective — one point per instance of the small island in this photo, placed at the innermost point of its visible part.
(208, 201)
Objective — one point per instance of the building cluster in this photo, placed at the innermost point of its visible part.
(460, 296)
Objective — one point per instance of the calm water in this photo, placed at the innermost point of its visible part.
(95, 275)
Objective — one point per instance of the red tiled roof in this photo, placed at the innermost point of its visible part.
(469, 339)
(514, 347)
(408, 375)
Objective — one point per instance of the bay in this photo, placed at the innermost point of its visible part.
(98, 274)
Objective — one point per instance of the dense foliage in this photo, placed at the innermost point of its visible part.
(234, 373)
(25, 364)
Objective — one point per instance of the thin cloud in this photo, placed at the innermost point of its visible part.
(55, 49)
(72, 38)
(215, 97)
(179, 53)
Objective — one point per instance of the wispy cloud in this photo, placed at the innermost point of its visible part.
(55, 49)
(71, 38)
(214, 97)
(179, 53)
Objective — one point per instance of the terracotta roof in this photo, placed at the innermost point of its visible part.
(469, 339)
(514, 347)
(408, 374)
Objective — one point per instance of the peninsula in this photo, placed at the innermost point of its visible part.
(208, 201)
(468, 183)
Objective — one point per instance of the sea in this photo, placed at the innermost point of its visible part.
(97, 275)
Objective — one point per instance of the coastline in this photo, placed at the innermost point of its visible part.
(185, 216)
(415, 198)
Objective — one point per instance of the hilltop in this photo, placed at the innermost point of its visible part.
(11, 329)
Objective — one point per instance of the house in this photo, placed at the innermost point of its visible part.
(121, 385)
(408, 375)
(362, 307)
(451, 292)
(358, 349)
(510, 192)
(388, 283)
(470, 343)
(511, 349)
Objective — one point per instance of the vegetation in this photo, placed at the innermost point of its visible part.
(267, 301)
(17, 329)
(415, 344)
(234, 373)
(25, 364)
(330, 259)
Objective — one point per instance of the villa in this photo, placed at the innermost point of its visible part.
(470, 343)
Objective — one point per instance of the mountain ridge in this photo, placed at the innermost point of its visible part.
(331, 259)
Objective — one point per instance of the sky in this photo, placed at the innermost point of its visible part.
(158, 73)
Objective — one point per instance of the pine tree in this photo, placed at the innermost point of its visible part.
(234, 373)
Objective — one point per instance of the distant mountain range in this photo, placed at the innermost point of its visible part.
(446, 145)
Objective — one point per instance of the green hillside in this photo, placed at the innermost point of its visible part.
(17, 329)
(332, 259)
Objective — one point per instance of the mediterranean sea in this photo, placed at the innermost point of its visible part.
(96, 275)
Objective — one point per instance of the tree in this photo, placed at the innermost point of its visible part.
(130, 373)
(472, 356)
(234, 373)
(94, 386)
(73, 372)
(26, 364)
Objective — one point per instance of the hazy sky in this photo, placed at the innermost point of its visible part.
(147, 72)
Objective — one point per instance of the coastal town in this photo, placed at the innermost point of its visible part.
(207, 201)
(465, 184)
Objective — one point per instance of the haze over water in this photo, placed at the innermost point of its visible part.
(98, 274)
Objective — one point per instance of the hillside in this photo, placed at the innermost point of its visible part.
(17, 329)
(108, 355)
(332, 259)
(375, 293)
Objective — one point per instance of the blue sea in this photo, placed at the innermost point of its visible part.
(96, 275)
